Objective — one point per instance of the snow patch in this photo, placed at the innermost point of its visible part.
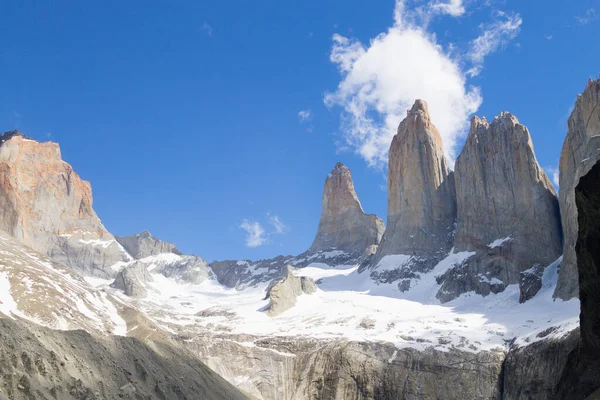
(499, 242)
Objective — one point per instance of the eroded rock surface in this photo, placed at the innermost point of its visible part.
(579, 149)
(421, 194)
(507, 210)
(343, 224)
(48, 207)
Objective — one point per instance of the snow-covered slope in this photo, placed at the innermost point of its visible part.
(353, 306)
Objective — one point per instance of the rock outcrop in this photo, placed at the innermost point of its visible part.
(582, 373)
(530, 282)
(133, 280)
(45, 205)
(421, 194)
(144, 245)
(343, 224)
(578, 149)
(283, 292)
(507, 210)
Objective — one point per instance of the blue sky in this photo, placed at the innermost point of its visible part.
(195, 120)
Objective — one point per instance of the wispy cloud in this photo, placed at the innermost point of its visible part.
(554, 175)
(548, 37)
(278, 226)
(589, 16)
(207, 28)
(382, 79)
(494, 35)
(454, 8)
(255, 233)
(17, 114)
(305, 115)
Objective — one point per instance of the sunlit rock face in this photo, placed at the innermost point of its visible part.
(48, 207)
(343, 224)
(421, 194)
(579, 149)
(507, 210)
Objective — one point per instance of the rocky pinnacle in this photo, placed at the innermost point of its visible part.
(343, 224)
(421, 196)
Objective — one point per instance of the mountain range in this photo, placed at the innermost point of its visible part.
(482, 284)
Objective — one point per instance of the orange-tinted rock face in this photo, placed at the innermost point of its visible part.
(47, 206)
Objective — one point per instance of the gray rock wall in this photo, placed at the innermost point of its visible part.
(583, 125)
(421, 193)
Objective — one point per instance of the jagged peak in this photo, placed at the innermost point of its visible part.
(12, 133)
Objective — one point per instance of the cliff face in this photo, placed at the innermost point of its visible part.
(507, 210)
(305, 368)
(343, 224)
(45, 205)
(421, 194)
(578, 149)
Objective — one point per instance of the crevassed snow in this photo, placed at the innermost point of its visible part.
(499, 242)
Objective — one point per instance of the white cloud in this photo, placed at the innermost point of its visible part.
(278, 226)
(553, 173)
(305, 115)
(494, 35)
(589, 16)
(548, 37)
(381, 80)
(454, 8)
(207, 28)
(255, 233)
